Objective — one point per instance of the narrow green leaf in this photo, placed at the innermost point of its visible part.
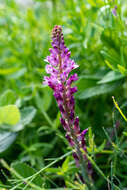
(8, 71)
(65, 165)
(25, 171)
(110, 77)
(18, 74)
(97, 90)
(122, 69)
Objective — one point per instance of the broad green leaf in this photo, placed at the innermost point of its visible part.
(110, 77)
(6, 139)
(97, 90)
(9, 115)
(27, 115)
(43, 102)
(8, 97)
(25, 171)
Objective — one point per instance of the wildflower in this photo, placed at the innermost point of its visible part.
(114, 11)
(59, 79)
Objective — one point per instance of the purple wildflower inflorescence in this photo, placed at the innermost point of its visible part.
(59, 67)
(114, 11)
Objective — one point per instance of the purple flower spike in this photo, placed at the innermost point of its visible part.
(76, 159)
(59, 67)
(114, 11)
(59, 79)
(70, 140)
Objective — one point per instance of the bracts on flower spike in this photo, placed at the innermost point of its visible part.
(59, 79)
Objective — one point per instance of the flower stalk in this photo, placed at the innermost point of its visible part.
(59, 79)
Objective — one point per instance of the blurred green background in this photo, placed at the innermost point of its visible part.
(30, 131)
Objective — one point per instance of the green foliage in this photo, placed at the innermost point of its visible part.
(33, 149)
(97, 90)
(22, 170)
(6, 139)
(9, 115)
